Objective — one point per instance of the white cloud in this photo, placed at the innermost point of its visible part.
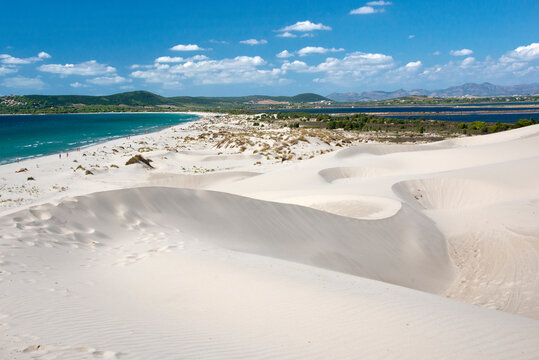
(436, 53)
(406, 73)
(367, 68)
(8, 59)
(364, 10)
(353, 67)
(43, 55)
(346, 71)
(108, 80)
(522, 53)
(411, 36)
(371, 7)
(138, 66)
(20, 82)
(357, 62)
(461, 52)
(161, 76)
(87, 68)
(169, 59)
(197, 58)
(521, 63)
(296, 65)
(241, 69)
(284, 54)
(287, 34)
(254, 42)
(460, 71)
(413, 65)
(304, 26)
(11, 60)
(467, 62)
(173, 59)
(307, 35)
(189, 47)
(316, 50)
(7, 70)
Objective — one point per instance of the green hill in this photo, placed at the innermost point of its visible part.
(145, 98)
(133, 98)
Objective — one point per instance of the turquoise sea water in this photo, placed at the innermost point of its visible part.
(26, 136)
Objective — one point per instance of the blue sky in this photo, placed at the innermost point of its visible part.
(219, 48)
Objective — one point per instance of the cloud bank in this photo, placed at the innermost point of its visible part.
(188, 47)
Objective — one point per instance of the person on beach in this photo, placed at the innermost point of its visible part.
(59, 156)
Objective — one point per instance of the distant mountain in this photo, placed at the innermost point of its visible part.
(470, 89)
(145, 98)
(486, 89)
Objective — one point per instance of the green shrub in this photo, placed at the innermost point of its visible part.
(524, 122)
(477, 125)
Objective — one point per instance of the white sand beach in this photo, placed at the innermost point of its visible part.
(252, 242)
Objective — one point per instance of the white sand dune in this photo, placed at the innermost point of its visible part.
(481, 192)
(337, 174)
(159, 273)
(354, 206)
(349, 255)
(432, 193)
(375, 149)
(196, 181)
(220, 158)
(376, 249)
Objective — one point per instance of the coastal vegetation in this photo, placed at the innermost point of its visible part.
(402, 129)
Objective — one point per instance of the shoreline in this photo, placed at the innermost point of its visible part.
(35, 162)
(199, 114)
(173, 141)
(121, 112)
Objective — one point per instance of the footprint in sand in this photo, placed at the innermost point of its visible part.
(136, 257)
(48, 349)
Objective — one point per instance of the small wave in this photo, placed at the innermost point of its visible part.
(87, 137)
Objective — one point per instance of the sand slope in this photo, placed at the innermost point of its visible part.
(144, 273)
(404, 249)
(481, 192)
(351, 254)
